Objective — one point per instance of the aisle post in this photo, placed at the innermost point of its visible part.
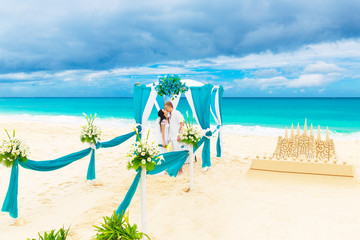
(143, 200)
(191, 166)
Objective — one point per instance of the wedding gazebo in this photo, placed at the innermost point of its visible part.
(204, 100)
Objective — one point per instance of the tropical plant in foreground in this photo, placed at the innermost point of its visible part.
(118, 227)
(13, 149)
(61, 234)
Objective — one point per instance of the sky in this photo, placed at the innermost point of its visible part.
(263, 48)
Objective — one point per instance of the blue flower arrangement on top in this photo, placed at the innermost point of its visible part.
(170, 86)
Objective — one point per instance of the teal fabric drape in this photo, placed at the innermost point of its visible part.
(91, 175)
(141, 96)
(173, 161)
(172, 164)
(51, 165)
(129, 195)
(202, 140)
(116, 141)
(11, 202)
(91, 169)
(214, 103)
(202, 99)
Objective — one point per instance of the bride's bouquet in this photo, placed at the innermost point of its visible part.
(13, 149)
(190, 134)
(90, 133)
(143, 153)
(167, 147)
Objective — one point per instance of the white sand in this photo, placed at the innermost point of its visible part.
(228, 203)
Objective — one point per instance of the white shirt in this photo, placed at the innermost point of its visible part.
(175, 119)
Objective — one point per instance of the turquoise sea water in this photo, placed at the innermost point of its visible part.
(342, 115)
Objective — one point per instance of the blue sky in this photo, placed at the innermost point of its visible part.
(265, 48)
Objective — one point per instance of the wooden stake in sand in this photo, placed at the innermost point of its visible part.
(143, 200)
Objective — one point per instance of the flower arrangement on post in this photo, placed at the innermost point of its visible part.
(13, 149)
(170, 86)
(90, 133)
(190, 134)
(143, 153)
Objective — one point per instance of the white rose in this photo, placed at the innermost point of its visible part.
(143, 161)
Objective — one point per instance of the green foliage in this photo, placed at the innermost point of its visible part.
(90, 119)
(61, 234)
(118, 227)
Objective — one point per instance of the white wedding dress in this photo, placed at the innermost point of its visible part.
(158, 134)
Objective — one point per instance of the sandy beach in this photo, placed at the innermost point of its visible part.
(228, 202)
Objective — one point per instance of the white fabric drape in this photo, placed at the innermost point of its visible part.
(217, 110)
(175, 102)
(217, 116)
(191, 104)
(149, 105)
(157, 105)
(147, 110)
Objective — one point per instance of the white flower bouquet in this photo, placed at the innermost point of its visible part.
(190, 134)
(90, 133)
(13, 149)
(143, 153)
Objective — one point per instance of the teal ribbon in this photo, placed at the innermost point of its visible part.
(10, 204)
(206, 149)
(91, 175)
(116, 141)
(173, 161)
(51, 165)
(91, 169)
(218, 144)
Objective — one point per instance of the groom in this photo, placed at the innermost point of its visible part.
(176, 124)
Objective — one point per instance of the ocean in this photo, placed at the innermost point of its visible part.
(258, 116)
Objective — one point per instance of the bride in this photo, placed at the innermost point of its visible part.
(162, 130)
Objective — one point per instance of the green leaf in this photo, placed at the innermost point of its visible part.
(117, 227)
(7, 134)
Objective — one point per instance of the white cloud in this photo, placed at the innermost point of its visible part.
(307, 80)
(322, 67)
(313, 66)
(336, 52)
(267, 72)
(91, 75)
(303, 81)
